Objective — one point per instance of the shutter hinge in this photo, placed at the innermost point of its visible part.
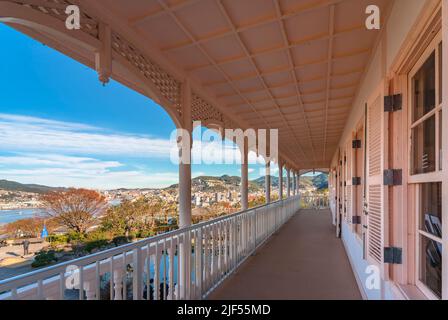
(356, 219)
(345, 183)
(356, 144)
(393, 103)
(356, 181)
(393, 177)
(393, 255)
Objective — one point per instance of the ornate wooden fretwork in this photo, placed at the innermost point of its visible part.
(168, 86)
(56, 9)
(204, 111)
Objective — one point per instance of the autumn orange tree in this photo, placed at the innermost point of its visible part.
(31, 227)
(76, 209)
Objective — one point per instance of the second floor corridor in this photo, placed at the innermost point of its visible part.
(303, 260)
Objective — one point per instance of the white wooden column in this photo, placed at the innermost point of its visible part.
(268, 182)
(445, 151)
(185, 194)
(280, 180)
(293, 183)
(244, 176)
(288, 182)
(185, 168)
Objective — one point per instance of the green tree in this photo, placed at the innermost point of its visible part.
(129, 217)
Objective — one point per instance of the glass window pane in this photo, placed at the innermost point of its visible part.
(424, 88)
(431, 208)
(424, 147)
(431, 264)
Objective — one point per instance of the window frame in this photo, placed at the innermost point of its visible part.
(416, 180)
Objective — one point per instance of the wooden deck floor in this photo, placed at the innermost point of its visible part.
(304, 260)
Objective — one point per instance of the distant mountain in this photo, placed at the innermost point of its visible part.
(306, 182)
(32, 188)
(225, 183)
(320, 181)
(213, 184)
(202, 183)
(261, 181)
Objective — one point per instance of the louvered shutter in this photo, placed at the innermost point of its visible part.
(376, 163)
(339, 192)
(348, 178)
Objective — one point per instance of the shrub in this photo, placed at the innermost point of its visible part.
(44, 258)
(97, 235)
(120, 240)
(58, 239)
(91, 245)
(145, 234)
(164, 228)
(76, 237)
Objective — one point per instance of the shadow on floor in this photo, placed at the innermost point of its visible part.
(304, 260)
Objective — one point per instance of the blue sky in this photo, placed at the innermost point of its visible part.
(60, 127)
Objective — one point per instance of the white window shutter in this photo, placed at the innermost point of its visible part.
(349, 188)
(377, 144)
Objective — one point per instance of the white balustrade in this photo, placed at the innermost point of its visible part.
(182, 264)
(316, 202)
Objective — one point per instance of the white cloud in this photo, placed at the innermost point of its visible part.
(41, 149)
(49, 160)
(69, 171)
(249, 170)
(34, 121)
(274, 169)
(107, 180)
(30, 134)
(197, 174)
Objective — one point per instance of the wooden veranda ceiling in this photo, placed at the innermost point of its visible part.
(292, 65)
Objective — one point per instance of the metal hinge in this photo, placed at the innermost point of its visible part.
(356, 181)
(393, 177)
(393, 255)
(393, 103)
(356, 144)
(356, 219)
(345, 183)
